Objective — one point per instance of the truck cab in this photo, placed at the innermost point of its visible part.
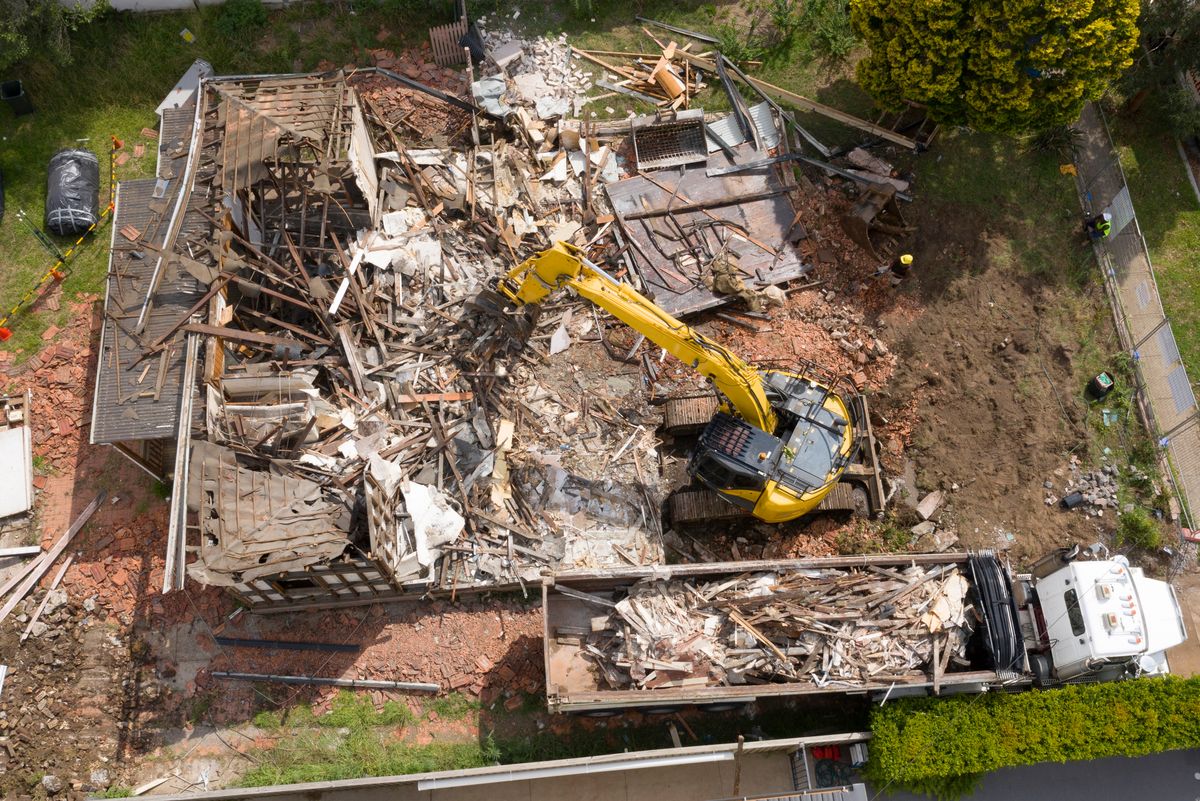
(1097, 620)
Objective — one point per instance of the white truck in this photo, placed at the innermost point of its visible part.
(1070, 619)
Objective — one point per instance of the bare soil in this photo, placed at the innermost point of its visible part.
(987, 365)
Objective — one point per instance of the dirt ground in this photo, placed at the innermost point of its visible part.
(966, 376)
(987, 366)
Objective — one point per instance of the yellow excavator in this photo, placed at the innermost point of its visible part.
(778, 442)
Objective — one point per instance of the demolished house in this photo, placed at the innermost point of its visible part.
(289, 334)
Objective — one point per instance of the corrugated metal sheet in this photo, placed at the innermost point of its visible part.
(763, 117)
(173, 137)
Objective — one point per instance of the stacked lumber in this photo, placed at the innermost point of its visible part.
(841, 627)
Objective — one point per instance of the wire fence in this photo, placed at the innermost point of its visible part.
(1164, 391)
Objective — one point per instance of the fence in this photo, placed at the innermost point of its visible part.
(1164, 392)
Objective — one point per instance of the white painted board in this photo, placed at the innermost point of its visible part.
(16, 471)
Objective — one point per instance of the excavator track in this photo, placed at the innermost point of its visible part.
(702, 505)
(688, 415)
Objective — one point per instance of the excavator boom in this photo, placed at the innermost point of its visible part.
(791, 437)
(566, 265)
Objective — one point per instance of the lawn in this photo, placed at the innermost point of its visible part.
(124, 64)
(1170, 219)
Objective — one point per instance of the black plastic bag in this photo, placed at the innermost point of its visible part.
(72, 192)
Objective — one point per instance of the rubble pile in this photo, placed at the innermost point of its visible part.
(370, 419)
(827, 627)
(1089, 491)
(540, 73)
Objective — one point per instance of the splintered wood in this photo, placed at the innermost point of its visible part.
(664, 78)
(830, 627)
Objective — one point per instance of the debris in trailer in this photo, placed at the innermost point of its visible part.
(825, 626)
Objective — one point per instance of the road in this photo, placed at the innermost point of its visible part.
(1170, 776)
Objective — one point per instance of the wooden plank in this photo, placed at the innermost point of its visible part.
(937, 673)
(58, 577)
(758, 635)
(807, 104)
(239, 335)
(434, 396)
(42, 564)
(20, 576)
(21, 550)
(601, 62)
(936, 572)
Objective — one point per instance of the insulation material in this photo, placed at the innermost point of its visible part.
(434, 521)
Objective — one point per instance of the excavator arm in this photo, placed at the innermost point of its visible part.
(566, 265)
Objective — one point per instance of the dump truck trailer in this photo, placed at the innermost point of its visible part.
(717, 634)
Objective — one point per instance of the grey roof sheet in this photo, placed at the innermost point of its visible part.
(135, 399)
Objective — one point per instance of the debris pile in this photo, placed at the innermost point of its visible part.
(537, 73)
(1090, 491)
(828, 626)
(660, 78)
(362, 417)
(364, 425)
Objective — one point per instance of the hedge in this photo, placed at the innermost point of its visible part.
(922, 739)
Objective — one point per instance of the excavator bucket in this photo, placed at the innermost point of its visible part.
(873, 217)
(490, 306)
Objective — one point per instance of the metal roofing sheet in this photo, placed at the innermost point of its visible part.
(140, 399)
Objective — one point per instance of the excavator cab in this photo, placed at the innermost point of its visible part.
(772, 474)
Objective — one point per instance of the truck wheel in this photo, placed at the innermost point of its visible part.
(722, 708)
(599, 713)
(660, 710)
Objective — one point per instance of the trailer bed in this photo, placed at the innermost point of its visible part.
(582, 676)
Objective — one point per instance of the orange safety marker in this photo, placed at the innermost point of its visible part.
(56, 271)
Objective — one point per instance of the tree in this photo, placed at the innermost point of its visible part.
(1011, 67)
(42, 26)
(1171, 33)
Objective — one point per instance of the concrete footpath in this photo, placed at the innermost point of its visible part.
(1129, 279)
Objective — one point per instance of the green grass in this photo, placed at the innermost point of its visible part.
(355, 712)
(1021, 196)
(455, 706)
(1169, 216)
(313, 756)
(124, 64)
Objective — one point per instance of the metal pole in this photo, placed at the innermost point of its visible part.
(737, 766)
(358, 684)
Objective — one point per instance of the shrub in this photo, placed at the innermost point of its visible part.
(1061, 140)
(945, 740)
(830, 35)
(1136, 527)
(240, 18)
(1183, 113)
